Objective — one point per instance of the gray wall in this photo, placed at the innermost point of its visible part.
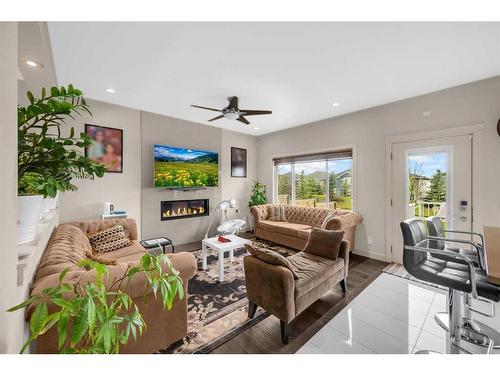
(169, 131)
(469, 104)
(234, 187)
(123, 189)
(11, 324)
(133, 189)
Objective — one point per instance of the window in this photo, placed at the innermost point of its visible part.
(322, 180)
(284, 173)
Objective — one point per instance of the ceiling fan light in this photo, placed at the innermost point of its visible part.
(231, 115)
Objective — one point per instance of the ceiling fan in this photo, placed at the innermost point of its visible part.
(232, 112)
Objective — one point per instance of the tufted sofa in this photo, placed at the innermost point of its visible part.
(294, 232)
(69, 244)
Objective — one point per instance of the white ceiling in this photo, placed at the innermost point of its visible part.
(298, 70)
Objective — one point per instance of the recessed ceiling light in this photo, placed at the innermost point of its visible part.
(336, 104)
(33, 63)
(110, 90)
(256, 128)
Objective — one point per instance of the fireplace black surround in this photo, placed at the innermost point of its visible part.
(184, 208)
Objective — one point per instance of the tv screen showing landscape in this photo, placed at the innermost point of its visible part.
(176, 167)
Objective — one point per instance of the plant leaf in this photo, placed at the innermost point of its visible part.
(38, 318)
(80, 326)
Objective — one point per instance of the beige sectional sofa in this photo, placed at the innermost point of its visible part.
(69, 244)
(294, 232)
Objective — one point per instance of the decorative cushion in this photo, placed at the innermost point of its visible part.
(329, 216)
(270, 257)
(324, 243)
(277, 213)
(110, 239)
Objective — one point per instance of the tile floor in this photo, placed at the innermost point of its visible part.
(393, 315)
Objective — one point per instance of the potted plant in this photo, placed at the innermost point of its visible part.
(49, 153)
(257, 196)
(29, 205)
(99, 317)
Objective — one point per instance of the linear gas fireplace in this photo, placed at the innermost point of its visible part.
(181, 209)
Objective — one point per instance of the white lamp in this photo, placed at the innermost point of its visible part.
(228, 226)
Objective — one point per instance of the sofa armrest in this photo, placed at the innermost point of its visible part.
(345, 220)
(94, 226)
(271, 287)
(344, 254)
(259, 212)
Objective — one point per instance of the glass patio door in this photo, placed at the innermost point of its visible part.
(431, 178)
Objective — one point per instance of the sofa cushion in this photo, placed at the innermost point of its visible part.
(290, 229)
(109, 239)
(312, 270)
(304, 234)
(270, 257)
(324, 243)
(95, 258)
(267, 225)
(135, 250)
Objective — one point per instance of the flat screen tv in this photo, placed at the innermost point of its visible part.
(176, 167)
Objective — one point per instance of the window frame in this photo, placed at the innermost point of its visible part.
(327, 179)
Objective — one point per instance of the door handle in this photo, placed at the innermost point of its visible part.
(463, 218)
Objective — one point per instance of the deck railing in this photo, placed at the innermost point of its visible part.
(426, 209)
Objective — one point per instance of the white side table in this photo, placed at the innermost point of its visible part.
(221, 248)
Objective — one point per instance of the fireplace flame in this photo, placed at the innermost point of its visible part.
(184, 211)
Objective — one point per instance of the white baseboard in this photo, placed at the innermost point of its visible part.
(370, 254)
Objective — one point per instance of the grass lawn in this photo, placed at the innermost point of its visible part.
(344, 203)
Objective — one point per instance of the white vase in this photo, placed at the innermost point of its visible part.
(28, 217)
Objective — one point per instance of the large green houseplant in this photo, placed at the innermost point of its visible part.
(99, 316)
(258, 194)
(49, 153)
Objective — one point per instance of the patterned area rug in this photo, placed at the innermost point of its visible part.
(218, 311)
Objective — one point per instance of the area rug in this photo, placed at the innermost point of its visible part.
(218, 311)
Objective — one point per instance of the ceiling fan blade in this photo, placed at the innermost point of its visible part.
(251, 112)
(243, 120)
(233, 102)
(216, 118)
(210, 109)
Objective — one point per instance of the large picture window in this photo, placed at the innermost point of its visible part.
(321, 180)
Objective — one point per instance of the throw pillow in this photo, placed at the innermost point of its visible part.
(277, 213)
(324, 243)
(270, 257)
(110, 239)
(329, 216)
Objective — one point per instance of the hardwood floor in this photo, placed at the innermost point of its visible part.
(264, 337)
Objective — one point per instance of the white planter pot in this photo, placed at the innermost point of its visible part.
(28, 217)
(49, 204)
